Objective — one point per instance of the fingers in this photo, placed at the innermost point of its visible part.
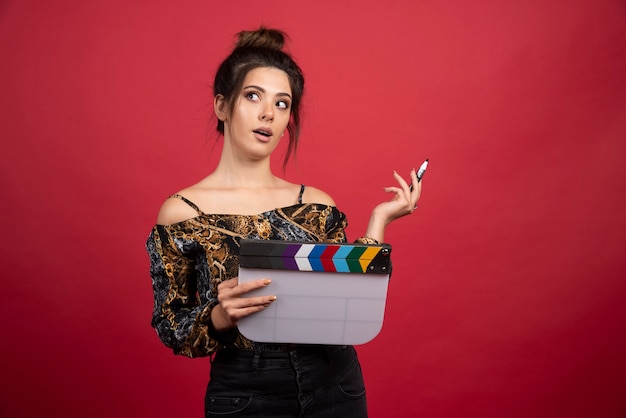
(234, 289)
(240, 308)
(234, 306)
(416, 186)
(230, 290)
(227, 284)
(411, 190)
(401, 204)
(403, 184)
(405, 197)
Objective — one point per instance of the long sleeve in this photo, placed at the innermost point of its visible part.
(182, 306)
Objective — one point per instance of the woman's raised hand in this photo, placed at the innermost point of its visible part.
(403, 202)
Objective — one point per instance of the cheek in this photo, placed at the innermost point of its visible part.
(285, 118)
(240, 114)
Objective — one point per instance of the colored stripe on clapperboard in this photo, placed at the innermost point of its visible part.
(325, 257)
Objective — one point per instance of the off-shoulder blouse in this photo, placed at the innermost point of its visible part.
(189, 259)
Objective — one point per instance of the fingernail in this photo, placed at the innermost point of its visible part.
(267, 281)
(273, 298)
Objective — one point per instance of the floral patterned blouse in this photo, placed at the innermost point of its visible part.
(189, 259)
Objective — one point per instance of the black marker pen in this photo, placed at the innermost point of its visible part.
(420, 172)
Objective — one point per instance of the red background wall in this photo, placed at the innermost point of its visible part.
(507, 298)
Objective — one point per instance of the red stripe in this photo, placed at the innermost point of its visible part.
(327, 257)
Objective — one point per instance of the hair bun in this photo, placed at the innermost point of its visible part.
(261, 38)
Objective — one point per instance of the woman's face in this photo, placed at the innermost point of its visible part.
(261, 112)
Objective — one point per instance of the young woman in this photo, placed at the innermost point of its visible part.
(194, 248)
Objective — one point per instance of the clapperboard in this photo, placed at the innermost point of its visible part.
(327, 293)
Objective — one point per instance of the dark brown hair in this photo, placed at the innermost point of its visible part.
(254, 49)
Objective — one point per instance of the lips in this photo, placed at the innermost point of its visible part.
(266, 132)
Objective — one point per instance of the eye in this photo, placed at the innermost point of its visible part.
(252, 96)
(283, 104)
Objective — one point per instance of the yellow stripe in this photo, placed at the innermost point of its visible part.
(367, 257)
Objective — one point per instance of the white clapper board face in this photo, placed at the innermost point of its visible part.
(327, 293)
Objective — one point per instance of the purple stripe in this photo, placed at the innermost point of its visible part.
(288, 256)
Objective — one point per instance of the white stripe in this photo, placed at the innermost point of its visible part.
(301, 257)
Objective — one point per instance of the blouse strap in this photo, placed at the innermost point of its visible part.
(189, 202)
(301, 193)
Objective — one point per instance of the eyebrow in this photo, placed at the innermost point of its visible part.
(262, 90)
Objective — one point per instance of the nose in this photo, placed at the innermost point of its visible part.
(267, 113)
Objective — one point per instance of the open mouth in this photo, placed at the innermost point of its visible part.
(263, 132)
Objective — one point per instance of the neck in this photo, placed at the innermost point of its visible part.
(234, 171)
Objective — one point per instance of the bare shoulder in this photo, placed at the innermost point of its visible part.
(315, 195)
(175, 210)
